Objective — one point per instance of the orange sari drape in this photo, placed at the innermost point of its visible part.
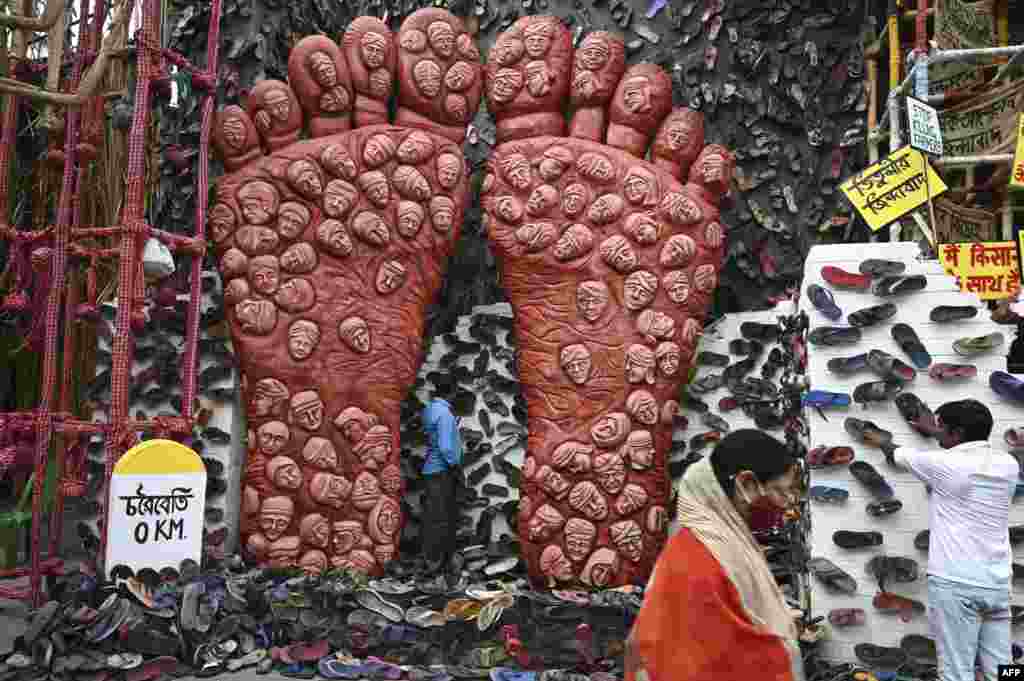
(692, 626)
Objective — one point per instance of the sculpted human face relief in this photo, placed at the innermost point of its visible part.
(668, 356)
(628, 538)
(576, 241)
(610, 430)
(390, 276)
(272, 437)
(655, 324)
(507, 51)
(353, 423)
(356, 334)
(542, 200)
(299, 258)
(508, 209)
(234, 131)
(552, 482)
(427, 76)
(459, 77)
(284, 473)
(586, 499)
(276, 516)
(334, 238)
(610, 470)
(639, 290)
(330, 490)
(319, 452)
(554, 163)
(307, 410)
(256, 317)
(236, 291)
(313, 562)
(555, 565)
(642, 229)
(677, 286)
(259, 201)
(606, 209)
(384, 520)
(374, 448)
(640, 187)
(366, 491)
(639, 449)
(416, 148)
(278, 104)
(681, 209)
(348, 534)
(678, 251)
(410, 219)
(579, 538)
(292, 220)
(441, 38)
(448, 170)
(322, 67)
(576, 363)
(538, 39)
(574, 199)
(442, 214)
(618, 254)
(632, 499)
(315, 530)
(335, 158)
(506, 85)
(267, 395)
(639, 364)
(335, 100)
(593, 53)
(538, 78)
(233, 263)
(256, 240)
(264, 274)
(375, 185)
(222, 222)
(339, 197)
(303, 337)
(305, 177)
(601, 569)
(573, 457)
(373, 49)
(295, 295)
(516, 169)
(372, 229)
(591, 300)
(379, 150)
(636, 95)
(544, 523)
(643, 407)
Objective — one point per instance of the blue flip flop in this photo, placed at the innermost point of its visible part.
(823, 300)
(824, 398)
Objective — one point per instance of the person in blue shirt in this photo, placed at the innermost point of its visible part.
(441, 472)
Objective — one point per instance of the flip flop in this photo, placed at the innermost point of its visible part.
(824, 398)
(952, 313)
(880, 656)
(872, 479)
(911, 408)
(900, 569)
(828, 495)
(900, 285)
(878, 509)
(739, 369)
(950, 372)
(867, 432)
(745, 347)
(890, 368)
(832, 576)
(876, 391)
(846, 617)
(834, 335)
(919, 649)
(875, 267)
(715, 422)
(845, 366)
(921, 540)
(969, 347)
(847, 539)
(894, 604)
(840, 278)
(1014, 438)
(823, 300)
(754, 388)
(829, 456)
(1007, 385)
(869, 316)
(712, 359)
(907, 339)
(1016, 534)
(707, 384)
(766, 333)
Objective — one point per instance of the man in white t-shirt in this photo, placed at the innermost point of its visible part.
(969, 559)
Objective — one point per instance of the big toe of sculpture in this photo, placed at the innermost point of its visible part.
(610, 262)
(330, 250)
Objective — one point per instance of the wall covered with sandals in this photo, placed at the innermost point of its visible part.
(846, 496)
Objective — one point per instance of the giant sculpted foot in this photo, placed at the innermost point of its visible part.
(330, 249)
(610, 262)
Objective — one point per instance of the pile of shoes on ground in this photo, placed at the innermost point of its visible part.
(341, 625)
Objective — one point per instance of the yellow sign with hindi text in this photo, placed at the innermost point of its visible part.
(893, 187)
(1017, 176)
(987, 269)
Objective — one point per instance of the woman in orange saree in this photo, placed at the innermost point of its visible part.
(712, 610)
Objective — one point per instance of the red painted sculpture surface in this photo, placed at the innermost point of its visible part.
(330, 250)
(610, 262)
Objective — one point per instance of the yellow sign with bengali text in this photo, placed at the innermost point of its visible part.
(987, 269)
(1017, 176)
(893, 187)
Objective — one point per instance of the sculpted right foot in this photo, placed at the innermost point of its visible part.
(610, 262)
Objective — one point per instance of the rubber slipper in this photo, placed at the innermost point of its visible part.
(846, 617)
(897, 568)
(845, 366)
(715, 422)
(829, 456)
(712, 359)
(707, 384)
(912, 409)
(867, 432)
(898, 286)
(823, 300)
(745, 347)
(876, 391)
(766, 333)
(727, 404)
(753, 388)
(919, 649)
(880, 656)
(921, 540)
(908, 341)
(969, 347)
(1007, 385)
(869, 316)
(952, 313)
(832, 576)
(828, 495)
(297, 671)
(875, 267)
(769, 417)
(736, 371)
(834, 335)
(848, 539)
(951, 372)
(840, 278)
(872, 479)
(1014, 438)
(894, 604)
(824, 398)
(890, 368)
(878, 509)
(1016, 534)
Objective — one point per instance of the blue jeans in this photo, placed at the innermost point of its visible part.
(969, 623)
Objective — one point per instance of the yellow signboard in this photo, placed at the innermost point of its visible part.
(1017, 176)
(986, 269)
(893, 187)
